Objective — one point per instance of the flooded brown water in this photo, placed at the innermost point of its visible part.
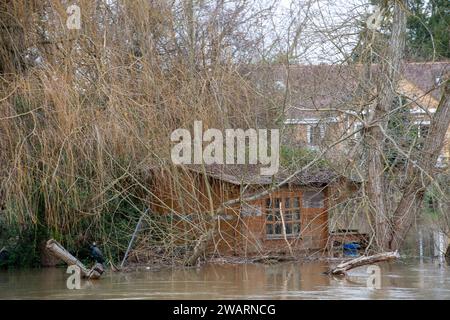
(400, 280)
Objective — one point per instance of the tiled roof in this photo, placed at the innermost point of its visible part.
(314, 87)
(250, 175)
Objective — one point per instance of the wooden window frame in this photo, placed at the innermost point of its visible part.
(292, 213)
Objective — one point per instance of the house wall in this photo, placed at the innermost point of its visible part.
(313, 233)
(239, 231)
(445, 153)
(345, 210)
(297, 133)
(186, 194)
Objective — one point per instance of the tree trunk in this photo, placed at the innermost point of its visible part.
(420, 175)
(386, 87)
(391, 228)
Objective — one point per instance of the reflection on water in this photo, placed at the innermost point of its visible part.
(401, 280)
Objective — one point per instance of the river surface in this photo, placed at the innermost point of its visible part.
(410, 279)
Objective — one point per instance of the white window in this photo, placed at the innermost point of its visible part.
(357, 128)
(280, 85)
(441, 161)
(422, 127)
(354, 126)
(315, 134)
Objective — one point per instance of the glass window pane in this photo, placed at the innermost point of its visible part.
(424, 130)
(287, 203)
(296, 202)
(270, 217)
(316, 132)
(288, 228)
(269, 228)
(296, 228)
(277, 215)
(278, 228)
(297, 215)
(277, 203)
(268, 203)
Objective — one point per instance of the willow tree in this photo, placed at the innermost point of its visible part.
(393, 216)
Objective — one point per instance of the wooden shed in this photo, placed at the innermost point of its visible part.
(292, 218)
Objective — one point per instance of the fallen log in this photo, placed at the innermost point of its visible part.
(342, 268)
(60, 252)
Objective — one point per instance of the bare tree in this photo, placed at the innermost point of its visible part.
(391, 227)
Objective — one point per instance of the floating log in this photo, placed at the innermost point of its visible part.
(56, 249)
(342, 268)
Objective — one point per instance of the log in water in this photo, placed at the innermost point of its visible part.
(56, 249)
(342, 268)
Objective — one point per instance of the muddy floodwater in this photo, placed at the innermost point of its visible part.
(406, 279)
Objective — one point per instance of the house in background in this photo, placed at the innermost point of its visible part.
(324, 106)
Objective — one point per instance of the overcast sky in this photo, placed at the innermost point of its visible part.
(330, 28)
